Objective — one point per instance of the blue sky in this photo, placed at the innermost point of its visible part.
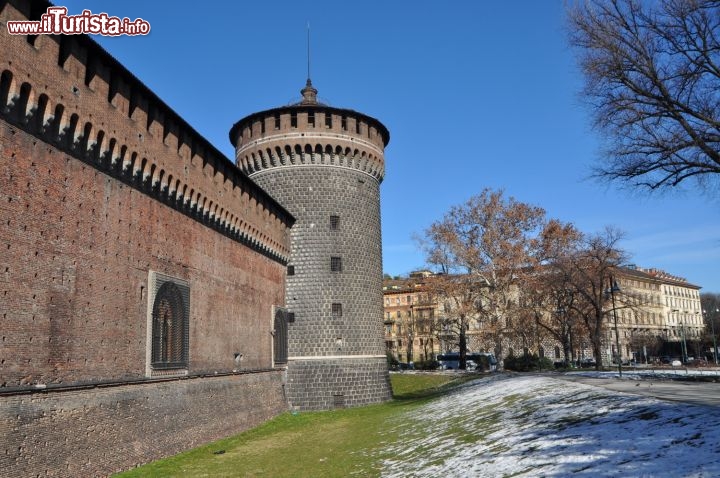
(475, 95)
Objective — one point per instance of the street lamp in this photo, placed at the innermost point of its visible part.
(683, 344)
(615, 288)
(712, 326)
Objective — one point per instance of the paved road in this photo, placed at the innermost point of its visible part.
(698, 393)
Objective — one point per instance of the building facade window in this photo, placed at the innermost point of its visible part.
(336, 264)
(291, 270)
(334, 223)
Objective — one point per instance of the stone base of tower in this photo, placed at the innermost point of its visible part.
(337, 383)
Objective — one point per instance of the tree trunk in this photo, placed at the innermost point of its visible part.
(463, 346)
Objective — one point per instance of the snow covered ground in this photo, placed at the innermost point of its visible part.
(642, 373)
(540, 426)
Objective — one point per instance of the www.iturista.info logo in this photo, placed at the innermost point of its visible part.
(56, 21)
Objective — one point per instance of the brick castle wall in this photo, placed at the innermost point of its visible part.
(100, 431)
(101, 184)
(74, 285)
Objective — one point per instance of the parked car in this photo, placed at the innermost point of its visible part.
(587, 363)
(473, 361)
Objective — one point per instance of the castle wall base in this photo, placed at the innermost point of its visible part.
(103, 430)
(337, 383)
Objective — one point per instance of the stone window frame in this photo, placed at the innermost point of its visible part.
(280, 336)
(156, 281)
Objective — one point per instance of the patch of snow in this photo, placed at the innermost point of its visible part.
(540, 426)
(639, 373)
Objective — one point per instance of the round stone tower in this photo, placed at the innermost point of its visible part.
(325, 165)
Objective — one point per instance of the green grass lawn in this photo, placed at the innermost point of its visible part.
(338, 443)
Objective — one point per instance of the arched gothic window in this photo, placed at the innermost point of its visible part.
(170, 328)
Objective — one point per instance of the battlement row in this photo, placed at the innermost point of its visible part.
(78, 98)
(318, 119)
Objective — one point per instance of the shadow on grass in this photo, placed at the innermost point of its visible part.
(429, 393)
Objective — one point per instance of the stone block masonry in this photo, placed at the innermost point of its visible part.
(327, 383)
(325, 165)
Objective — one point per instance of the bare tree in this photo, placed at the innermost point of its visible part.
(484, 247)
(589, 271)
(550, 301)
(652, 76)
(459, 295)
(710, 303)
(548, 294)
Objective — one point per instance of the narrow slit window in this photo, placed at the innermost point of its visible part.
(311, 119)
(336, 310)
(334, 223)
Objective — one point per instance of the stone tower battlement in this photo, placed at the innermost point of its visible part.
(313, 134)
(325, 165)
